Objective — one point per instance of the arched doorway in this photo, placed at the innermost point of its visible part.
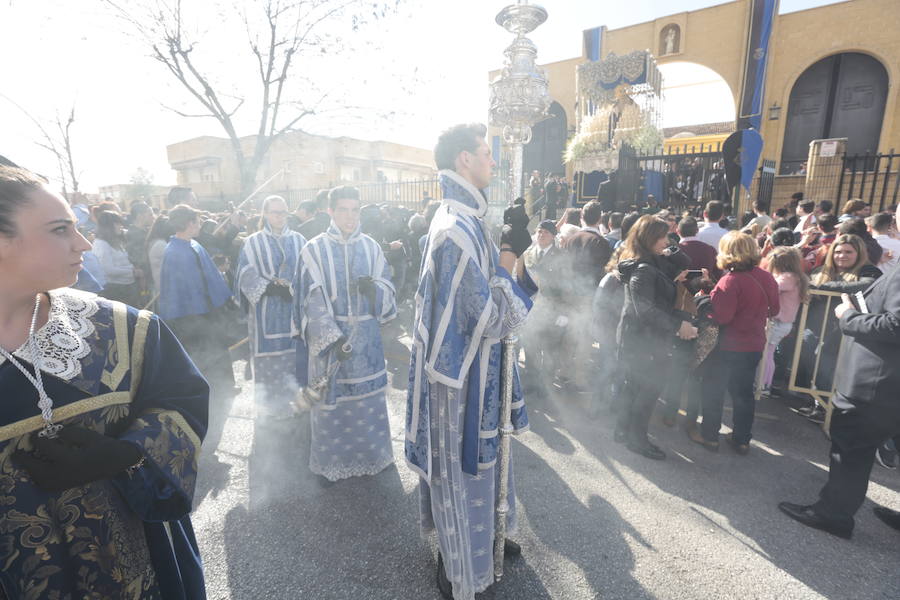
(548, 142)
(693, 94)
(842, 95)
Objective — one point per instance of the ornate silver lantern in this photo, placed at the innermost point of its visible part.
(520, 96)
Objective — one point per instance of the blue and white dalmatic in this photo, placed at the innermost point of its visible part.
(350, 429)
(265, 257)
(465, 304)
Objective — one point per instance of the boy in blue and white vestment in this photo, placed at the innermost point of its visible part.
(266, 266)
(342, 295)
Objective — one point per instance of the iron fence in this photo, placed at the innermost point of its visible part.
(870, 177)
(681, 177)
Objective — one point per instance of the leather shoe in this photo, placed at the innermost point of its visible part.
(806, 514)
(647, 450)
(444, 585)
(694, 434)
(741, 449)
(890, 517)
(511, 549)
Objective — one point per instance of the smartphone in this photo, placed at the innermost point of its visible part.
(691, 273)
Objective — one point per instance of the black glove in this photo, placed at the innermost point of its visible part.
(75, 457)
(342, 350)
(517, 242)
(278, 291)
(367, 288)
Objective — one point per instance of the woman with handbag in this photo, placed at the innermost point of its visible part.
(742, 301)
(646, 269)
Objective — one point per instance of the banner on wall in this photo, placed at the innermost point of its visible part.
(762, 19)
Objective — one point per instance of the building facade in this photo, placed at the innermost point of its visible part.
(299, 161)
(829, 75)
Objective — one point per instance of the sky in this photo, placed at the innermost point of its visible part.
(427, 66)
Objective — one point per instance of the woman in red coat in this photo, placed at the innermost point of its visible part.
(742, 301)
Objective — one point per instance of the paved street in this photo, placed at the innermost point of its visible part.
(596, 521)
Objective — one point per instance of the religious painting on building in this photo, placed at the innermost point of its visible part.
(841, 96)
(670, 40)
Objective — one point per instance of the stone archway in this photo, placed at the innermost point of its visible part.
(842, 95)
(548, 142)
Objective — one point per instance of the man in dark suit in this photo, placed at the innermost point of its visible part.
(587, 252)
(866, 407)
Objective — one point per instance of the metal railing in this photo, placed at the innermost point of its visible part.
(871, 177)
(823, 331)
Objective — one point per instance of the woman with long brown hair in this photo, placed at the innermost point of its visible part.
(847, 262)
(846, 270)
(647, 269)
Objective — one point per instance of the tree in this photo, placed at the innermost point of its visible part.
(140, 185)
(279, 34)
(58, 143)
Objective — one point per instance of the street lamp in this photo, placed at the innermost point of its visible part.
(520, 96)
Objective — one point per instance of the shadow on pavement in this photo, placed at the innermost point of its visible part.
(738, 495)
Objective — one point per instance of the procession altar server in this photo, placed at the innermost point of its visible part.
(193, 297)
(466, 301)
(100, 424)
(342, 295)
(266, 268)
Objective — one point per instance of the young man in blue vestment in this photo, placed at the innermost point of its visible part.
(342, 296)
(266, 267)
(101, 419)
(194, 299)
(470, 295)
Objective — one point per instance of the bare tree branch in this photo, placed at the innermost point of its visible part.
(278, 31)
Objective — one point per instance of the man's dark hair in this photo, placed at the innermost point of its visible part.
(856, 226)
(322, 199)
(591, 213)
(628, 222)
(759, 206)
(714, 210)
(137, 209)
(16, 184)
(780, 224)
(827, 222)
(459, 138)
(808, 206)
(826, 206)
(783, 237)
(342, 192)
(615, 220)
(881, 223)
(798, 196)
(688, 227)
(179, 195)
(308, 206)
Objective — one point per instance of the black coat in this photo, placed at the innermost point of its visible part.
(869, 369)
(649, 321)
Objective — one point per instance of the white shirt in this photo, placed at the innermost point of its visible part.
(115, 264)
(890, 245)
(804, 222)
(711, 233)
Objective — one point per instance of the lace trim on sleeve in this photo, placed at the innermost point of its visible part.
(516, 311)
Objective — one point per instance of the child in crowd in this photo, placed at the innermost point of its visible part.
(786, 266)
